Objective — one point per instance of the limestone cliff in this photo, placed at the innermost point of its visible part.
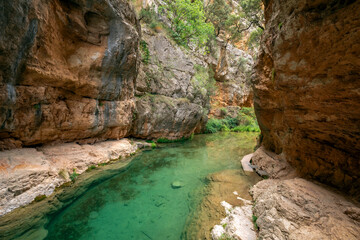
(232, 68)
(68, 70)
(170, 101)
(306, 93)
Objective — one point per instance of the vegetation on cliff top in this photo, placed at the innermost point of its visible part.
(190, 21)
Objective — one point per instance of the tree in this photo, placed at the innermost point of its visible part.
(218, 13)
(187, 19)
(231, 19)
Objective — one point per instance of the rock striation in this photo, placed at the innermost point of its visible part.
(306, 90)
(67, 72)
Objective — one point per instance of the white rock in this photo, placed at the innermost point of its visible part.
(245, 162)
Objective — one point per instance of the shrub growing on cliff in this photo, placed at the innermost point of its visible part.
(39, 198)
(188, 21)
(145, 53)
(204, 80)
(74, 175)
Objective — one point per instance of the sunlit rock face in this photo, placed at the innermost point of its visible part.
(307, 89)
(67, 70)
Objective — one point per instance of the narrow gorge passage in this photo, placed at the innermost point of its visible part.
(141, 202)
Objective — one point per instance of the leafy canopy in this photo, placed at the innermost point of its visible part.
(187, 19)
(232, 18)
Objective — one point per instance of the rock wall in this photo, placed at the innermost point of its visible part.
(67, 71)
(307, 89)
(170, 101)
(233, 73)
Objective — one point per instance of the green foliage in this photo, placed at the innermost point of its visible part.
(218, 12)
(254, 218)
(39, 198)
(92, 167)
(188, 22)
(148, 15)
(245, 122)
(145, 53)
(254, 39)
(280, 25)
(273, 72)
(225, 236)
(224, 111)
(224, 225)
(231, 21)
(153, 145)
(204, 80)
(166, 140)
(217, 125)
(37, 106)
(74, 175)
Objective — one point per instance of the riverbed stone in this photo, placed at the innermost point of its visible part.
(177, 184)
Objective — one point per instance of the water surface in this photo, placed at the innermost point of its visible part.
(140, 203)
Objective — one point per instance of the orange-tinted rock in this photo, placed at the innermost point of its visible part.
(307, 90)
(68, 70)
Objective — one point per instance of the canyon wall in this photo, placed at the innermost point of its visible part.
(232, 72)
(307, 88)
(68, 70)
(170, 102)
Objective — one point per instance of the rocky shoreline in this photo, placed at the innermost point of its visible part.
(288, 207)
(112, 157)
(29, 174)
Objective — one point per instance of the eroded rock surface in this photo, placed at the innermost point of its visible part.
(170, 102)
(299, 209)
(307, 89)
(67, 70)
(232, 69)
(28, 172)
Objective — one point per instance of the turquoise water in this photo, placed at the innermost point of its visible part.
(140, 203)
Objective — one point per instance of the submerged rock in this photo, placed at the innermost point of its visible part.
(237, 223)
(177, 184)
(230, 187)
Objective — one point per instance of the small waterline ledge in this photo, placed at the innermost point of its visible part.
(123, 191)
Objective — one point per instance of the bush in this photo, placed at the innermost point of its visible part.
(203, 79)
(148, 15)
(92, 167)
(245, 122)
(39, 198)
(74, 175)
(213, 125)
(145, 53)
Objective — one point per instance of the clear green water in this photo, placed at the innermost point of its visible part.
(140, 203)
